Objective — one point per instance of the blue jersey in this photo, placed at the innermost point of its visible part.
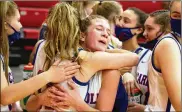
(121, 101)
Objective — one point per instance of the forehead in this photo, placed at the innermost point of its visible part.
(15, 16)
(151, 22)
(130, 15)
(100, 22)
(176, 7)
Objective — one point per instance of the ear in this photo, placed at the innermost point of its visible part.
(5, 25)
(82, 37)
(139, 30)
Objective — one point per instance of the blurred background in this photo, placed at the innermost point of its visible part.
(33, 13)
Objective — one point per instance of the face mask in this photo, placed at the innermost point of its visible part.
(124, 34)
(151, 44)
(13, 37)
(176, 26)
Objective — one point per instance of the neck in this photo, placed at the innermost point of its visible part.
(131, 44)
(179, 39)
(112, 28)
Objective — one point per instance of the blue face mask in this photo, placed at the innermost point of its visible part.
(13, 37)
(124, 34)
(176, 26)
(151, 44)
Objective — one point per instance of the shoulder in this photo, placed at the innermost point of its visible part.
(167, 47)
(167, 43)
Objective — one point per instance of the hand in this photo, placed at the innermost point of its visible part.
(123, 70)
(135, 107)
(48, 98)
(71, 96)
(59, 73)
(129, 83)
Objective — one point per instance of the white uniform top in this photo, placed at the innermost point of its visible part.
(159, 98)
(38, 66)
(140, 71)
(11, 81)
(94, 88)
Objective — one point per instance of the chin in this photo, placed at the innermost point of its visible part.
(101, 49)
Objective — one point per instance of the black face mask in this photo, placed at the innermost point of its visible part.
(151, 44)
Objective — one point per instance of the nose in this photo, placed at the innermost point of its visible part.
(121, 23)
(144, 33)
(105, 33)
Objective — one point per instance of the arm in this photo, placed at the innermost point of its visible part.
(170, 65)
(109, 88)
(46, 98)
(34, 103)
(15, 92)
(117, 51)
(102, 60)
(104, 103)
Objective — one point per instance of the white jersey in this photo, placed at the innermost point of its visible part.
(11, 81)
(140, 71)
(94, 88)
(38, 66)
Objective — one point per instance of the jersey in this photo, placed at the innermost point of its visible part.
(121, 100)
(159, 99)
(94, 87)
(11, 81)
(140, 72)
(38, 67)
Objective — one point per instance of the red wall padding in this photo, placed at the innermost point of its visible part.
(146, 6)
(32, 17)
(38, 4)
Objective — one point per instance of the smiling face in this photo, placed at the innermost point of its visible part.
(97, 35)
(152, 30)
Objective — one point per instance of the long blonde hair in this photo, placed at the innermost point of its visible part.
(7, 10)
(63, 33)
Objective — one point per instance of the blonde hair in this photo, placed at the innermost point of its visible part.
(62, 34)
(7, 10)
(107, 8)
(85, 23)
(81, 5)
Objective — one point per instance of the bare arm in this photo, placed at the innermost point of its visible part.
(36, 105)
(117, 51)
(46, 98)
(15, 92)
(109, 88)
(104, 103)
(170, 65)
(104, 60)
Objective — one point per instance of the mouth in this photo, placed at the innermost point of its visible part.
(103, 42)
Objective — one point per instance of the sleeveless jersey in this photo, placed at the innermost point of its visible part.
(140, 72)
(121, 101)
(11, 81)
(158, 99)
(38, 67)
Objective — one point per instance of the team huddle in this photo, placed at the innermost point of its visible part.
(88, 59)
